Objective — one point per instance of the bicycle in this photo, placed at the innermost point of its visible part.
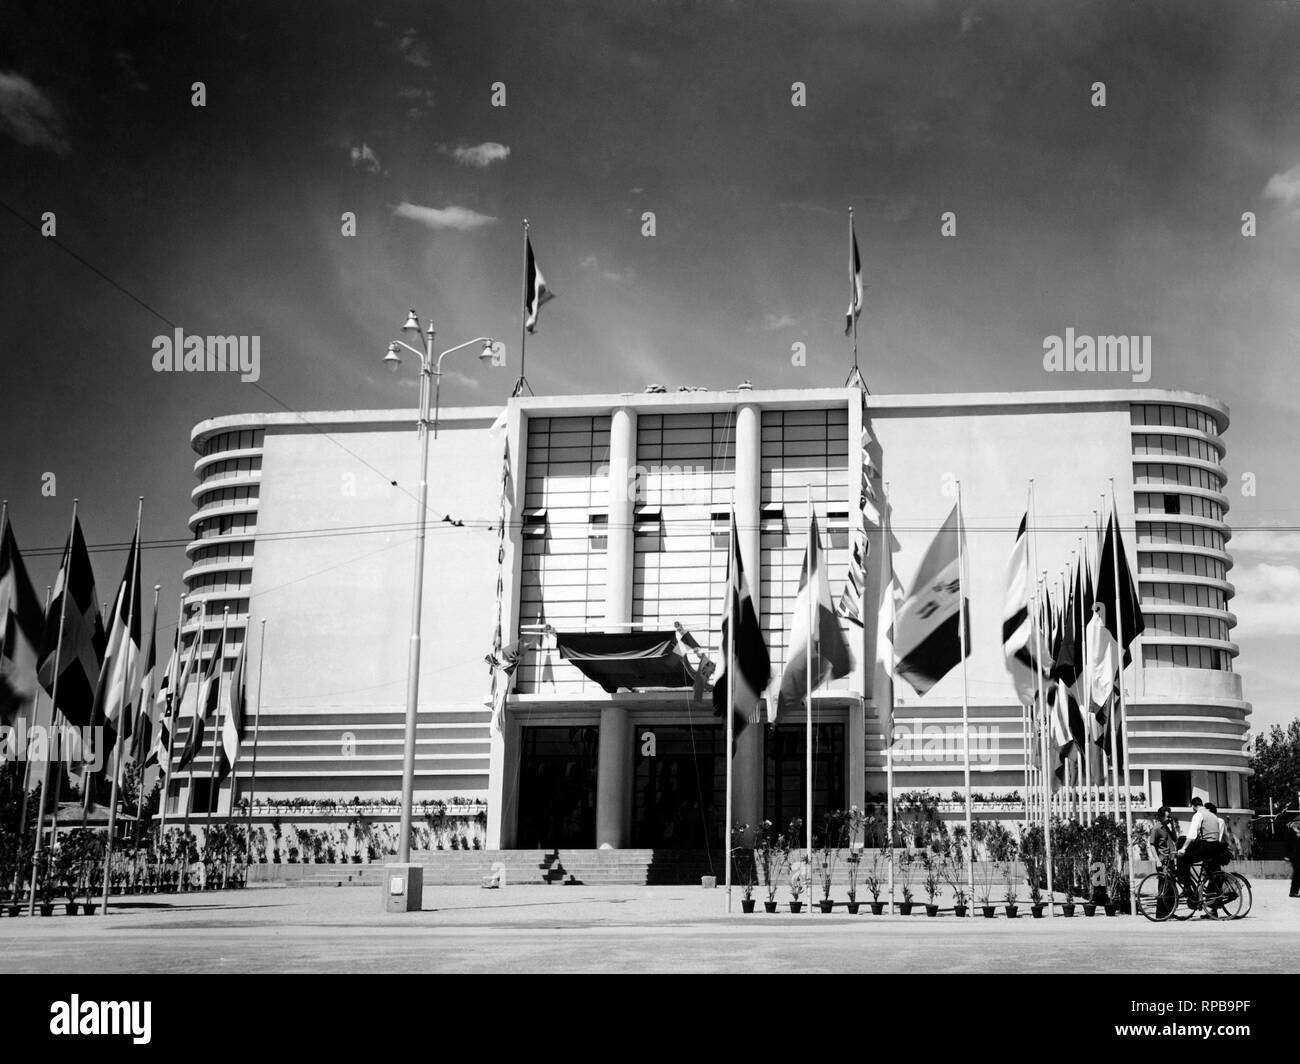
(1216, 893)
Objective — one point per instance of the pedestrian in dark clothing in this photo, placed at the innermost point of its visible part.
(1293, 854)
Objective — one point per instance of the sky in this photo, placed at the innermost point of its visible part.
(228, 219)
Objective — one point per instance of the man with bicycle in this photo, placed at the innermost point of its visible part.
(1201, 844)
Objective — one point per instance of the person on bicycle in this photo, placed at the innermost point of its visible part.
(1225, 851)
(1201, 844)
(1164, 839)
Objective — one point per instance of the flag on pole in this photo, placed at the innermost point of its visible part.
(535, 290)
(749, 657)
(850, 605)
(116, 688)
(205, 704)
(232, 724)
(162, 749)
(831, 657)
(503, 662)
(927, 638)
(79, 644)
(1018, 621)
(1126, 615)
(855, 281)
(21, 621)
(142, 728)
(883, 687)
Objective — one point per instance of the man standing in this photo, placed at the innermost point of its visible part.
(1293, 854)
(1201, 844)
(1164, 839)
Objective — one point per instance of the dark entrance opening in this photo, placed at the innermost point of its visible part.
(679, 794)
(557, 787)
(786, 771)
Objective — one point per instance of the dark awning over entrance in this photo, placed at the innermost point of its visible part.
(632, 660)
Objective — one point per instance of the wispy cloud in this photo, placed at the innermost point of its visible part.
(772, 322)
(413, 49)
(421, 101)
(1265, 600)
(593, 264)
(364, 158)
(480, 155)
(460, 218)
(1285, 188)
(1262, 541)
(27, 115)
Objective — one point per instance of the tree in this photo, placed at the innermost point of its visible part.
(1276, 764)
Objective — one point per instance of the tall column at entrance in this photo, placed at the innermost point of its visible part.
(747, 783)
(613, 771)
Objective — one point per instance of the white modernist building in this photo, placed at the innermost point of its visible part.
(617, 517)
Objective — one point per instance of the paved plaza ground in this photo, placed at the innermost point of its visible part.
(619, 929)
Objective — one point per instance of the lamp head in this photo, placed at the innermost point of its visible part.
(393, 360)
(494, 352)
(412, 322)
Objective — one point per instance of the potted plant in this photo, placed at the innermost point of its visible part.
(874, 881)
(796, 870)
(1036, 903)
(906, 860)
(854, 822)
(742, 860)
(931, 877)
(826, 855)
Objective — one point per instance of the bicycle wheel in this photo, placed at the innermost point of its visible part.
(1157, 897)
(1247, 895)
(1220, 896)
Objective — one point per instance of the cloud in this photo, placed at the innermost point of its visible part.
(413, 49)
(1266, 600)
(460, 218)
(636, 191)
(1263, 541)
(480, 155)
(969, 19)
(364, 158)
(1285, 188)
(27, 115)
(592, 263)
(421, 101)
(772, 322)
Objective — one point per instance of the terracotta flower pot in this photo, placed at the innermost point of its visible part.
(746, 905)
(71, 908)
(877, 907)
(826, 905)
(990, 911)
(769, 906)
(853, 907)
(1067, 909)
(88, 909)
(1089, 909)
(1011, 911)
(932, 910)
(905, 908)
(1111, 909)
(796, 906)
(959, 910)
(47, 908)
(1037, 910)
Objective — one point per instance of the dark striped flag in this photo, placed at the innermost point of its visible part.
(142, 729)
(1018, 635)
(79, 642)
(814, 631)
(205, 704)
(116, 689)
(927, 632)
(1125, 615)
(21, 621)
(234, 722)
(535, 290)
(749, 656)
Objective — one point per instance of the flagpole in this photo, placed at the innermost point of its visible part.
(257, 728)
(808, 689)
(172, 710)
(189, 783)
(57, 730)
(853, 298)
(731, 664)
(132, 590)
(216, 738)
(965, 707)
(1043, 773)
(146, 705)
(887, 588)
(522, 383)
(1123, 711)
(27, 770)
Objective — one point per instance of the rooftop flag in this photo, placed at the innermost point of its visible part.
(855, 280)
(535, 291)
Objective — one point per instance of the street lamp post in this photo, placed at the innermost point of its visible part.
(404, 889)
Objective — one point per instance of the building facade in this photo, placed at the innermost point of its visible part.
(618, 512)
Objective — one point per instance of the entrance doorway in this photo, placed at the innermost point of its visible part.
(785, 797)
(557, 787)
(679, 793)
